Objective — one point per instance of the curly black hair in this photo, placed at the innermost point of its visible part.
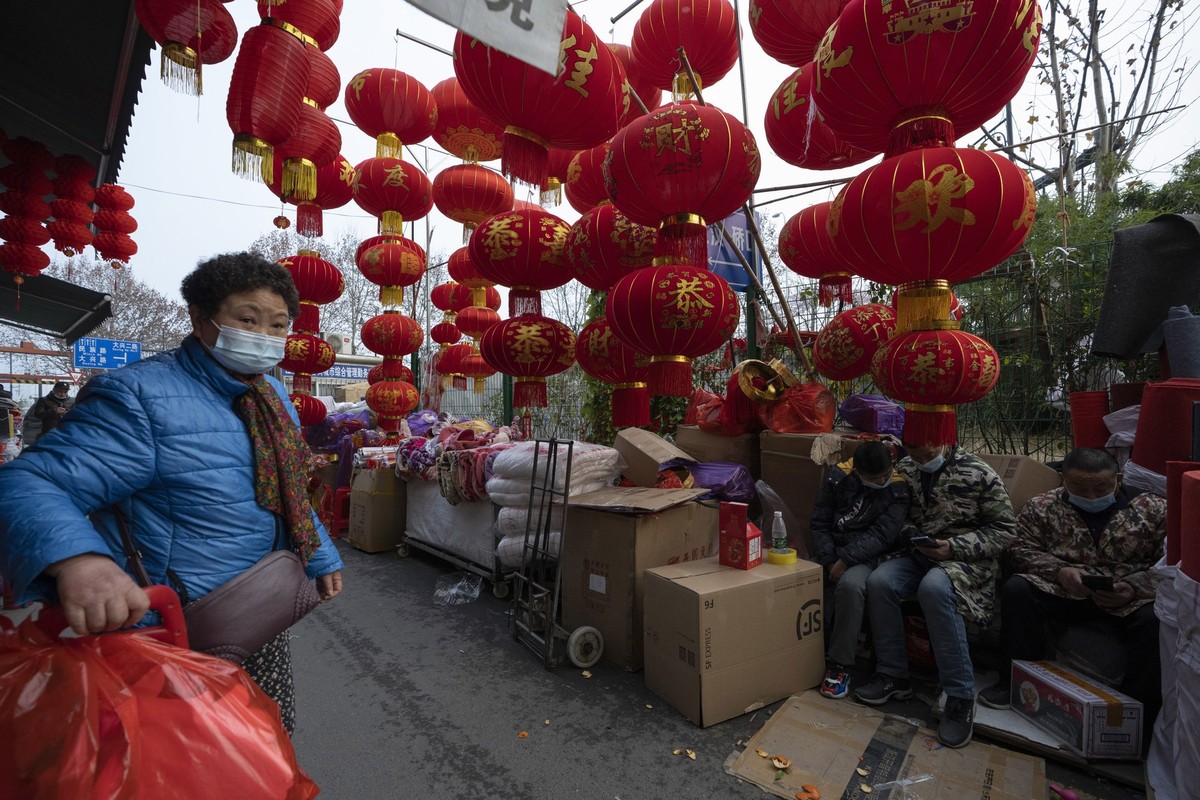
(207, 286)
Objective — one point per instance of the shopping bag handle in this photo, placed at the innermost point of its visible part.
(163, 600)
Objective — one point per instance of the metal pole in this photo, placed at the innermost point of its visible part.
(629, 8)
(441, 50)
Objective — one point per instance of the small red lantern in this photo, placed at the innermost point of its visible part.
(23, 232)
(475, 367)
(306, 355)
(585, 178)
(529, 347)
(191, 33)
(469, 194)
(680, 168)
(672, 313)
(392, 401)
(282, 222)
(462, 270)
(646, 91)
(606, 358)
(392, 265)
(392, 190)
(71, 205)
(474, 321)
(316, 21)
(462, 129)
(310, 410)
(932, 371)
(806, 249)
(705, 29)
(522, 250)
(317, 282)
(445, 334)
(391, 106)
(113, 225)
(796, 128)
(603, 246)
(846, 345)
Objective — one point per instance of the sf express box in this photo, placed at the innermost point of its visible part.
(1091, 719)
(720, 642)
(378, 503)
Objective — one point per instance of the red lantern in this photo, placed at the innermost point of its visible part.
(585, 178)
(306, 355)
(604, 246)
(266, 91)
(449, 365)
(368, 243)
(317, 282)
(310, 410)
(474, 321)
(523, 251)
(847, 344)
(191, 33)
(392, 401)
(334, 188)
(392, 190)
(393, 107)
(579, 107)
(680, 168)
(806, 248)
(315, 21)
(606, 358)
(462, 270)
(22, 231)
(445, 334)
(469, 194)
(315, 142)
(392, 265)
(324, 81)
(392, 334)
(673, 314)
(647, 92)
(558, 162)
(938, 213)
(931, 371)
(450, 298)
(113, 225)
(392, 369)
(705, 29)
(529, 347)
(462, 129)
(475, 367)
(894, 76)
(789, 31)
(796, 128)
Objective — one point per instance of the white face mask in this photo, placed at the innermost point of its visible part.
(933, 464)
(246, 352)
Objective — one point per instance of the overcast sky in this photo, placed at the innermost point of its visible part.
(191, 206)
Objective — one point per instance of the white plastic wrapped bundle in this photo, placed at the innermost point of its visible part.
(593, 467)
(509, 548)
(511, 520)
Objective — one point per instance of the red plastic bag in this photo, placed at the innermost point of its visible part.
(739, 414)
(704, 410)
(123, 716)
(804, 408)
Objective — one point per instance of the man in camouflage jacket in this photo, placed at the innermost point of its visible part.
(962, 508)
(1089, 527)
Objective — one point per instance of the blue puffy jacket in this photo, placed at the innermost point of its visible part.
(159, 437)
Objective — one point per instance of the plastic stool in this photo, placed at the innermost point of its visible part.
(341, 512)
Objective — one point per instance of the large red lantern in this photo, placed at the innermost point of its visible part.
(531, 348)
(462, 129)
(324, 81)
(796, 128)
(334, 188)
(309, 409)
(789, 31)
(680, 168)
(266, 91)
(113, 225)
(806, 248)
(898, 75)
(932, 371)
(462, 270)
(579, 107)
(315, 142)
(603, 246)
(317, 21)
(306, 355)
(317, 282)
(645, 90)
(475, 367)
(705, 29)
(392, 334)
(392, 190)
(847, 344)
(474, 321)
(72, 204)
(191, 33)
(522, 250)
(391, 106)
(392, 264)
(673, 314)
(606, 358)
(392, 401)
(469, 194)
(585, 178)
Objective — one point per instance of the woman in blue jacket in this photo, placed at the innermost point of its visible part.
(200, 450)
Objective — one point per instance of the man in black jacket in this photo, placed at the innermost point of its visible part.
(53, 407)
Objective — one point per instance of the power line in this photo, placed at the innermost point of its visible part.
(231, 202)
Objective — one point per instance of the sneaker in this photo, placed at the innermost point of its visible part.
(958, 722)
(996, 696)
(882, 688)
(836, 684)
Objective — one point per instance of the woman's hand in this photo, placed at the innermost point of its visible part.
(97, 595)
(329, 586)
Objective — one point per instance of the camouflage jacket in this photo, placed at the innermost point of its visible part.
(1051, 535)
(969, 507)
(855, 523)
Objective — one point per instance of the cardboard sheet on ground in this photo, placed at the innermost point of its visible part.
(829, 741)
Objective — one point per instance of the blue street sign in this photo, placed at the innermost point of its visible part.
(342, 371)
(724, 261)
(93, 353)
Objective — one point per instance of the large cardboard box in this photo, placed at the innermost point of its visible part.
(1023, 477)
(612, 536)
(1090, 718)
(645, 453)
(705, 446)
(788, 469)
(829, 742)
(378, 502)
(351, 392)
(721, 642)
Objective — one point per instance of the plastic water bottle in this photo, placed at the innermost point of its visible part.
(779, 536)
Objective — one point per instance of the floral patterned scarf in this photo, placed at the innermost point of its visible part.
(280, 463)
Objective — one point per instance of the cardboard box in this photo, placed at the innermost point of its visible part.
(829, 741)
(1024, 477)
(788, 469)
(644, 453)
(741, 541)
(611, 537)
(378, 503)
(351, 392)
(705, 446)
(1091, 719)
(721, 642)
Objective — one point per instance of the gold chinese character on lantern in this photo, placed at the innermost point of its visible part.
(688, 296)
(790, 101)
(529, 343)
(925, 369)
(582, 69)
(929, 200)
(500, 238)
(396, 176)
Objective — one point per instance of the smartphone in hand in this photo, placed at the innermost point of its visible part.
(923, 541)
(1098, 583)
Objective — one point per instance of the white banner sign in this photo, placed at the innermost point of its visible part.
(529, 30)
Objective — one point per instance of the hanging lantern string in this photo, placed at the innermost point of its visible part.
(793, 331)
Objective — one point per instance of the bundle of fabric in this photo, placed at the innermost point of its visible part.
(592, 467)
(463, 474)
(545, 534)
(417, 457)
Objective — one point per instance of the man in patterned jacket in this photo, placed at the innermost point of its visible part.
(959, 521)
(1089, 527)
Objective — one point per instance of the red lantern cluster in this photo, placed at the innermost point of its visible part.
(113, 225)
(71, 206)
(606, 358)
(462, 129)
(22, 230)
(334, 188)
(604, 246)
(846, 346)
(191, 33)
(806, 248)
(531, 348)
(522, 250)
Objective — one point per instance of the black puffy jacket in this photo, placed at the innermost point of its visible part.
(855, 523)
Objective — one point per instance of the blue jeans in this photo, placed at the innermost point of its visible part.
(902, 579)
